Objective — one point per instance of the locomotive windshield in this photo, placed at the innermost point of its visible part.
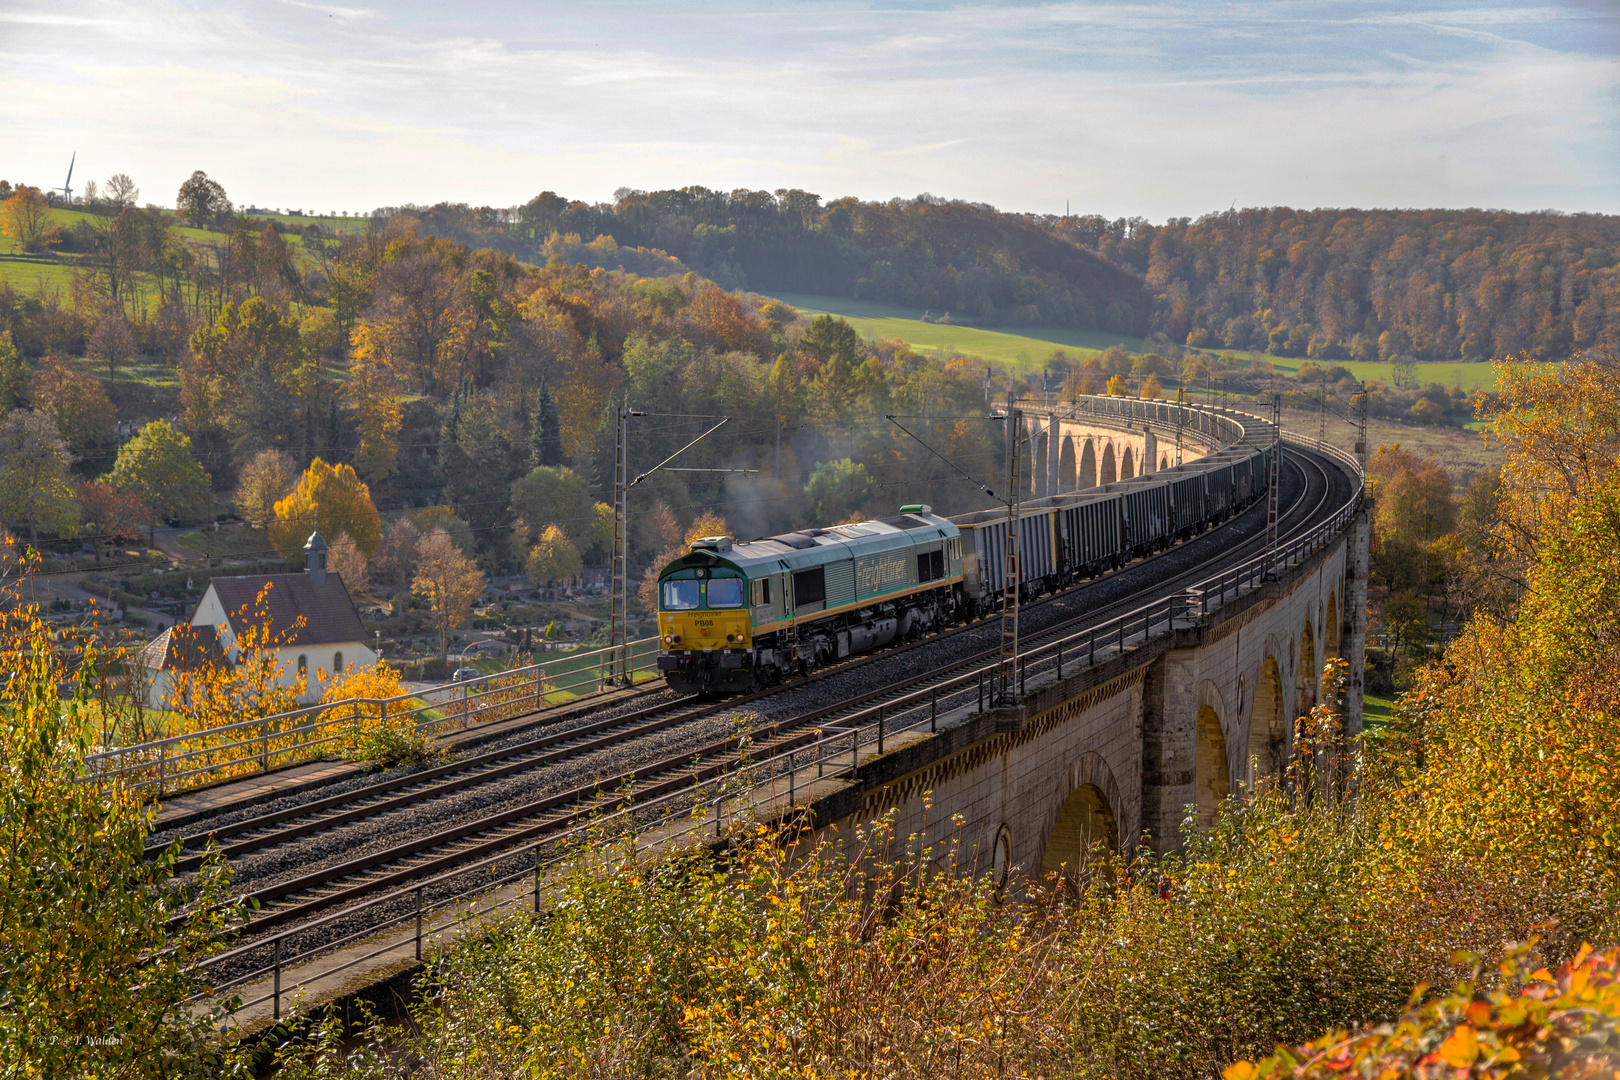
(681, 595)
(725, 592)
(690, 590)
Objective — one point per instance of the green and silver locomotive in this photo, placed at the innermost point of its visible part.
(736, 615)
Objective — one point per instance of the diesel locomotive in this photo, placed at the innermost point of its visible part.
(738, 615)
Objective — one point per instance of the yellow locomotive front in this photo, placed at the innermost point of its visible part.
(705, 638)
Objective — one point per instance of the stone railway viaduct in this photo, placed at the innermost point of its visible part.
(1123, 750)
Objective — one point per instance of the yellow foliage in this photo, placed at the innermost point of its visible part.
(329, 499)
(373, 394)
(358, 694)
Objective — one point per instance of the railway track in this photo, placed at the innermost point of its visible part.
(292, 900)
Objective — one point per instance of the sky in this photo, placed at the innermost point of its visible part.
(1150, 109)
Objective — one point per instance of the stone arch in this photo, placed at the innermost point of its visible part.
(1085, 816)
(1127, 464)
(1164, 463)
(1330, 629)
(1306, 674)
(1212, 775)
(1109, 473)
(1267, 724)
(1066, 464)
(1001, 858)
(1088, 465)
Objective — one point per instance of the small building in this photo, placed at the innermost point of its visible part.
(180, 648)
(312, 620)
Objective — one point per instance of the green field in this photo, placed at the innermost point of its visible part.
(1024, 349)
(1475, 376)
(1375, 710)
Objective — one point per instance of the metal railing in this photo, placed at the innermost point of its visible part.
(195, 759)
(678, 810)
(1221, 426)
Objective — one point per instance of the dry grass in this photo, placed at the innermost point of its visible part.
(1460, 452)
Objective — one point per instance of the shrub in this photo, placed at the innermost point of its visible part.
(1554, 1025)
(387, 748)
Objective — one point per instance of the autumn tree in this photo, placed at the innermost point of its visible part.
(14, 374)
(830, 338)
(553, 559)
(98, 938)
(660, 526)
(34, 487)
(157, 465)
(25, 217)
(329, 499)
(374, 397)
(202, 201)
(555, 495)
(77, 402)
(344, 557)
(253, 357)
(110, 514)
(448, 581)
(263, 482)
(1414, 504)
(394, 562)
(444, 517)
(112, 342)
(121, 190)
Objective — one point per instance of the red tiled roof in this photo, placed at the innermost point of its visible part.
(328, 613)
(183, 648)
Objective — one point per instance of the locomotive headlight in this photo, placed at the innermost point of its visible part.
(672, 639)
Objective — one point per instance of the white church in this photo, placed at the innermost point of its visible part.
(311, 616)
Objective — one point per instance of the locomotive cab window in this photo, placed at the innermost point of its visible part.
(680, 594)
(761, 589)
(725, 592)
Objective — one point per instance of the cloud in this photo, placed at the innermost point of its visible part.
(1125, 109)
(345, 13)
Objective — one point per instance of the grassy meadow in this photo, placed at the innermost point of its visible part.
(1023, 349)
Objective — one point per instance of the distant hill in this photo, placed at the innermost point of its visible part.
(1361, 285)
(984, 266)
(1366, 284)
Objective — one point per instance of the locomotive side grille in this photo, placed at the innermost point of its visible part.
(840, 582)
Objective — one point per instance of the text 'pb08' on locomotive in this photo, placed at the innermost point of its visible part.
(735, 615)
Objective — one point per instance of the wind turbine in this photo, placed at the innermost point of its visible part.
(66, 189)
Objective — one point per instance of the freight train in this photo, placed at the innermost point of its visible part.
(738, 615)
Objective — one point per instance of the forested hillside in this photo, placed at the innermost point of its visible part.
(1325, 284)
(446, 376)
(1369, 284)
(965, 258)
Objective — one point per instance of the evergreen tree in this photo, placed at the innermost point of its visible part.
(545, 439)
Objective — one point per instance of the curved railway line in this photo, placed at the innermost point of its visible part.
(307, 865)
